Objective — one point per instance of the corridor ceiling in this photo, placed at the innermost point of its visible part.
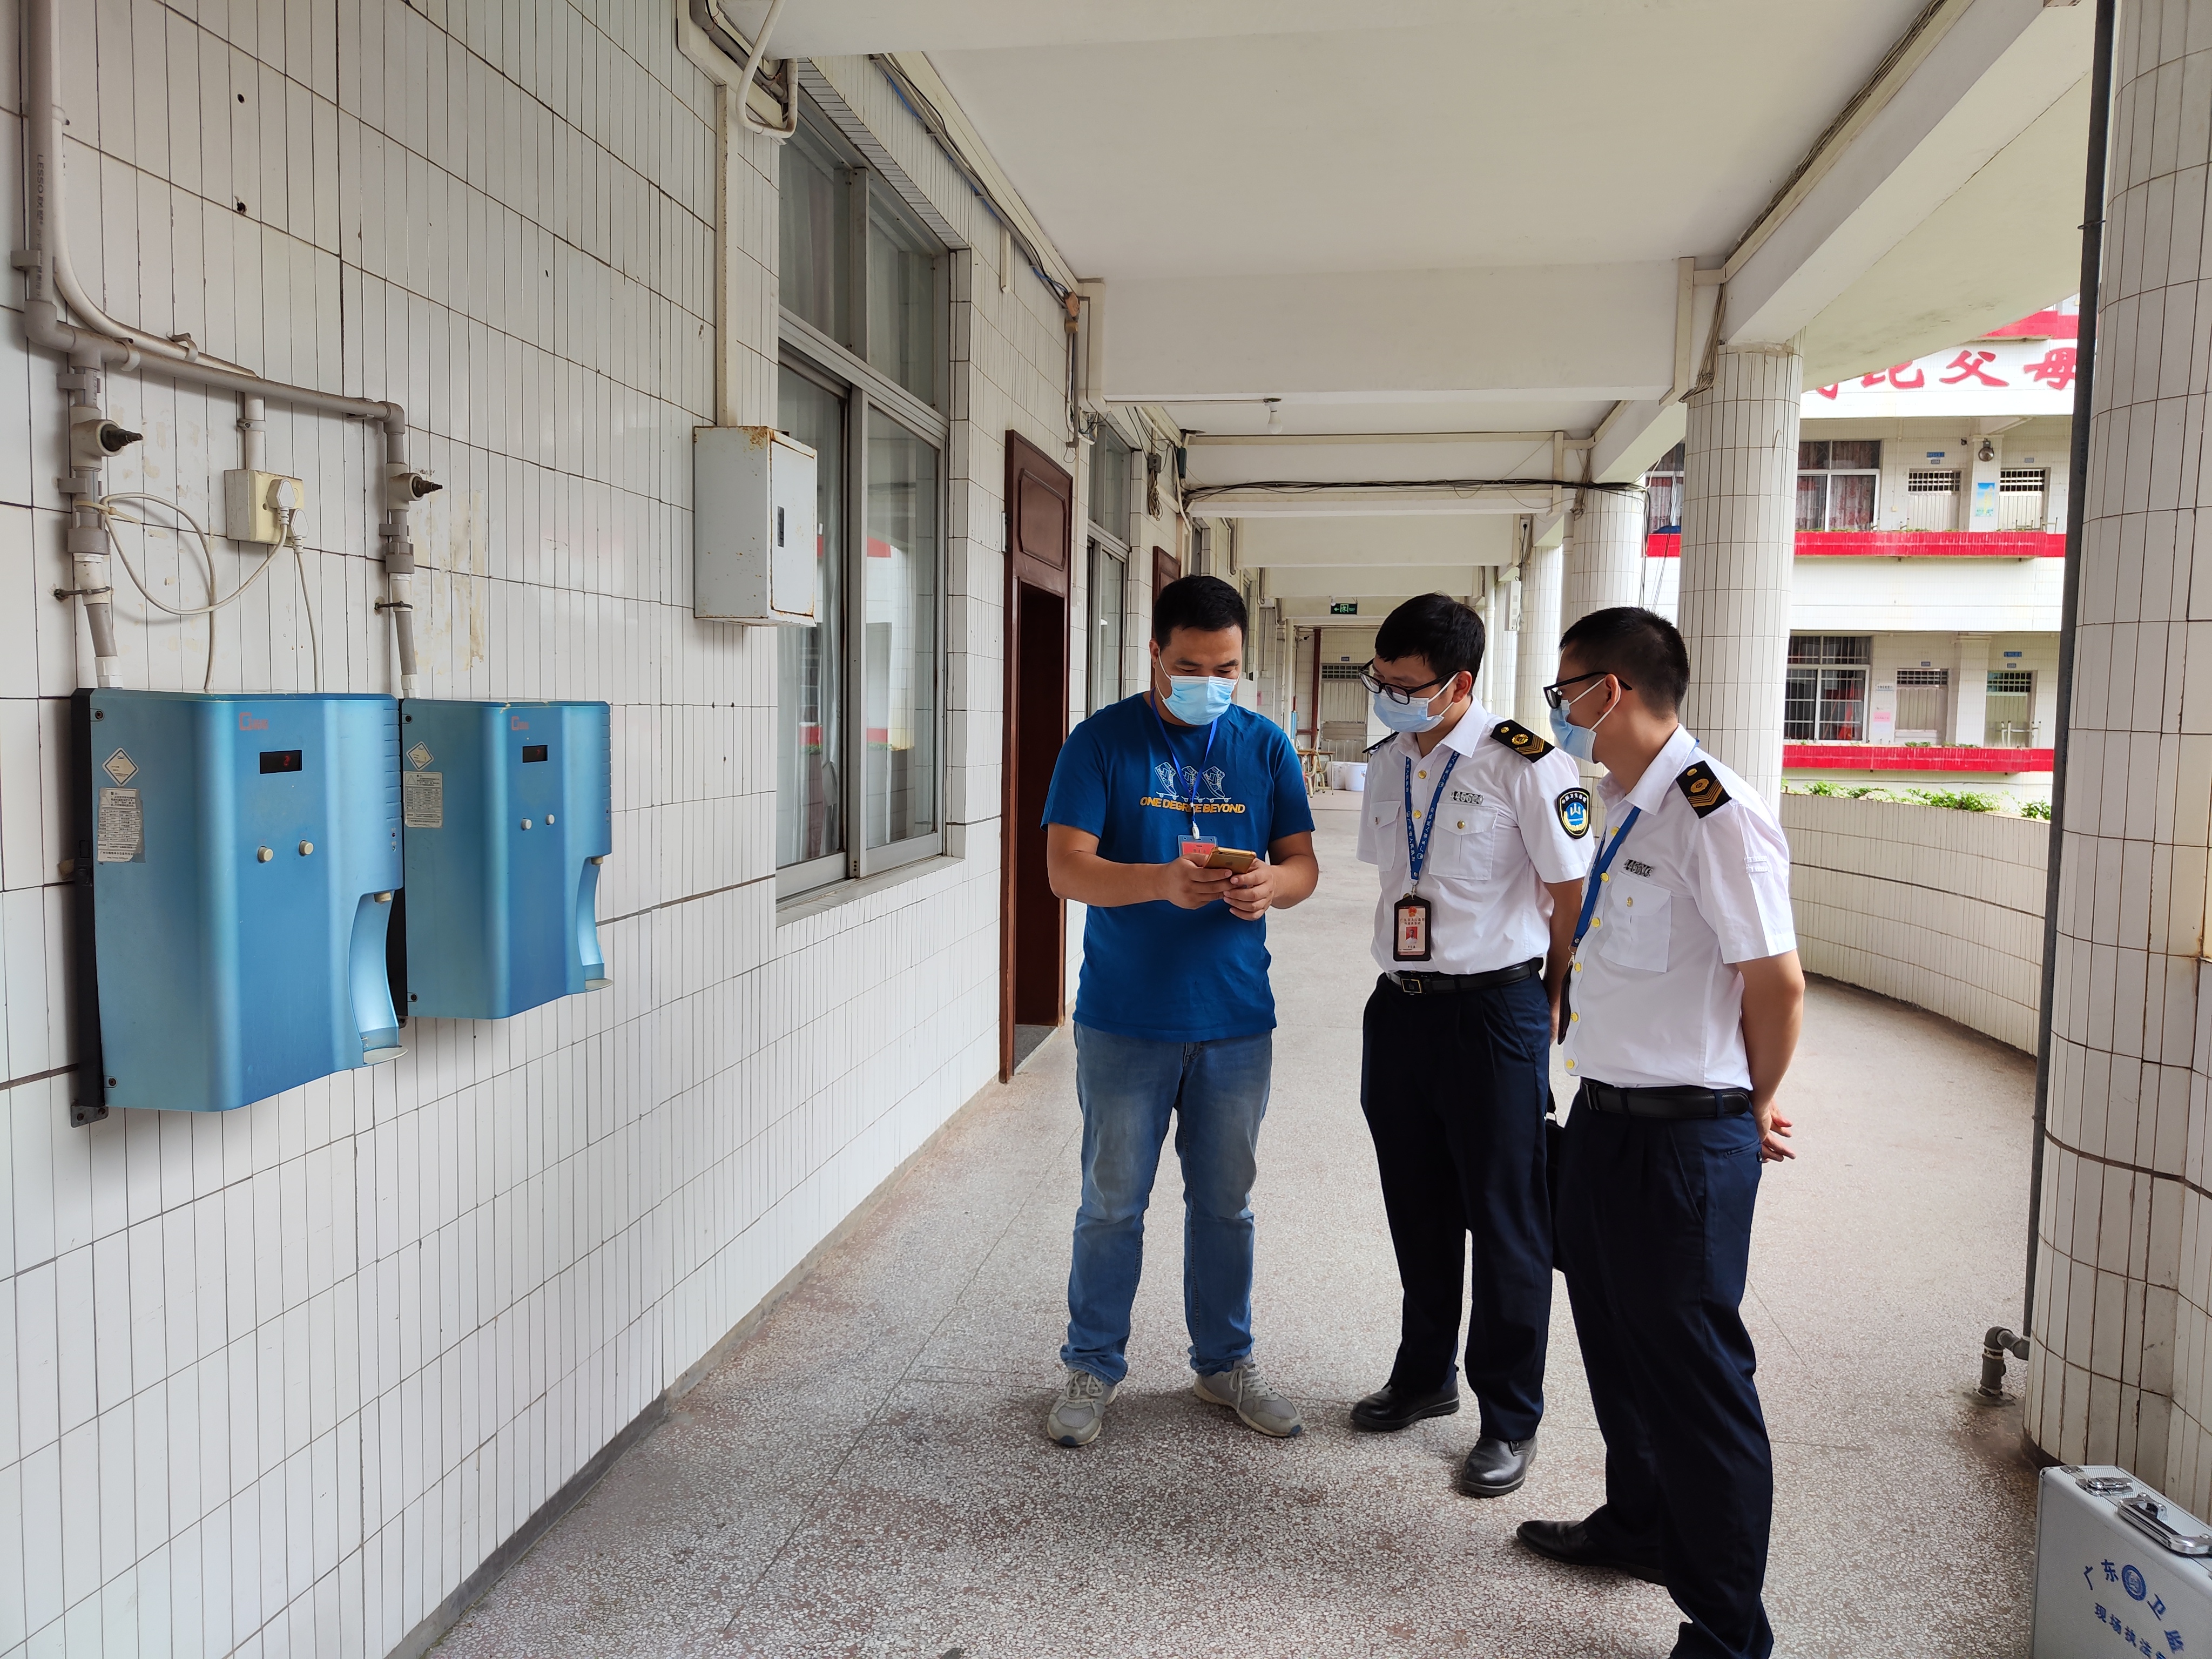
(1465, 216)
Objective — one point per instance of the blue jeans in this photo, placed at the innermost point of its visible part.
(1127, 1087)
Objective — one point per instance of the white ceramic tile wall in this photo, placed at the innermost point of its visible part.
(2120, 1371)
(1604, 554)
(276, 1381)
(1536, 658)
(1739, 539)
(1938, 908)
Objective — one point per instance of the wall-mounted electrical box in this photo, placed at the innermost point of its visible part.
(754, 547)
(235, 862)
(254, 505)
(508, 809)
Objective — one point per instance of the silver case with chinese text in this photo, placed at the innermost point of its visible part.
(2080, 1537)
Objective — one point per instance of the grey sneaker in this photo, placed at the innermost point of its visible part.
(1080, 1412)
(1241, 1389)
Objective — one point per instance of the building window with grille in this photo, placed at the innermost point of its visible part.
(2009, 711)
(865, 318)
(1923, 697)
(2022, 492)
(1344, 703)
(1931, 499)
(1836, 483)
(1662, 495)
(1824, 698)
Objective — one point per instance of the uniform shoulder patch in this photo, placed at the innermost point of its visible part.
(1380, 743)
(1520, 740)
(1701, 788)
(1573, 807)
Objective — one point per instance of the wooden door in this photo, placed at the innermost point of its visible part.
(1032, 921)
(1166, 568)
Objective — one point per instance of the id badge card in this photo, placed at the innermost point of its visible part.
(1197, 846)
(1410, 929)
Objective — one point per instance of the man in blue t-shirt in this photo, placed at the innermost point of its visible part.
(1173, 1015)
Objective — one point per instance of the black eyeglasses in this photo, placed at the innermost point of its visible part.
(1555, 693)
(1397, 693)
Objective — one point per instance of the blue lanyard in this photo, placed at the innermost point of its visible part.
(1417, 855)
(1597, 879)
(1176, 765)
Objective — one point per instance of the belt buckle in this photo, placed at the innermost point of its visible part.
(1410, 985)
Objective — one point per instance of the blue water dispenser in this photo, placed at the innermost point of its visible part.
(508, 814)
(236, 860)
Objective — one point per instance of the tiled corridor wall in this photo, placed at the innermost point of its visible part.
(1940, 909)
(2122, 1368)
(277, 1381)
(1739, 543)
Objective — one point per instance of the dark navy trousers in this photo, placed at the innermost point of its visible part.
(1455, 1087)
(1655, 1235)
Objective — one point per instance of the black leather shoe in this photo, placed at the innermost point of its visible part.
(1496, 1466)
(1390, 1408)
(1571, 1541)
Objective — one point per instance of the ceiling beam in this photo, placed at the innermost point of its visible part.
(1445, 540)
(1502, 334)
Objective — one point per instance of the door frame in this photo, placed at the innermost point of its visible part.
(1048, 571)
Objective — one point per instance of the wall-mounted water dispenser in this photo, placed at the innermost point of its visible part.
(508, 809)
(235, 862)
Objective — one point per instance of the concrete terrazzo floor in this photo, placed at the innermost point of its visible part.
(867, 1476)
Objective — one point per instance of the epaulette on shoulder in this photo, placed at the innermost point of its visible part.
(1379, 743)
(1520, 740)
(1701, 788)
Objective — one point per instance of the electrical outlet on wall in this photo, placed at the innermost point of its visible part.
(254, 504)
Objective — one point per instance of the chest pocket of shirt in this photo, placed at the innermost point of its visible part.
(1637, 923)
(1382, 825)
(1460, 848)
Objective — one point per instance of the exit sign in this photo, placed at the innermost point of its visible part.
(1344, 608)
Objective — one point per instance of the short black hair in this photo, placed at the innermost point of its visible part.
(1438, 629)
(1641, 646)
(1205, 604)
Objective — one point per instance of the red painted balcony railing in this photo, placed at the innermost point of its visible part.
(1902, 544)
(1909, 757)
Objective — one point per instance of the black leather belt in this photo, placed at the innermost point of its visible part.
(1671, 1103)
(1430, 985)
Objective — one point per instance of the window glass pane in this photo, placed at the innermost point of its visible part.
(814, 254)
(1846, 452)
(2009, 710)
(1799, 692)
(809, 661)
(1671, 461)
(1843, 705)
(1813, 452)
(1850, 501)
(1109, 483)
(1811, 501)
(899, 646)
(903, 319)
(1109, 576)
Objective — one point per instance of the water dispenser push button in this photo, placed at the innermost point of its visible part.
(497, 919)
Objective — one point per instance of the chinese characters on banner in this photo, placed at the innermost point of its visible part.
(1995, 377)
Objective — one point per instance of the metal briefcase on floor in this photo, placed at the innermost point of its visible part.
(2118, 1570)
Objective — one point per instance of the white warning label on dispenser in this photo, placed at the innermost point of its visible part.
(122, 834)
(422, 800)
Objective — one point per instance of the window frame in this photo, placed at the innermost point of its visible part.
(863, 389)
(1100, 547)
(1828, 471)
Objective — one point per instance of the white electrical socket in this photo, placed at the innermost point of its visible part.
(253, 511)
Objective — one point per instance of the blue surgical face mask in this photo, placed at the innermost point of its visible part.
(1415, 716)
(1198, 699)
(1580, 741)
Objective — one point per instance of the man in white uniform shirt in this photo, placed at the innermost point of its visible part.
(1683, 1010)
(1481, 832)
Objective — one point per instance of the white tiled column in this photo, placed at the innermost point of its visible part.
(1536, 661)
(1504, 647)
(1604, 554)
(2121, 1368)
(1738, 536)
